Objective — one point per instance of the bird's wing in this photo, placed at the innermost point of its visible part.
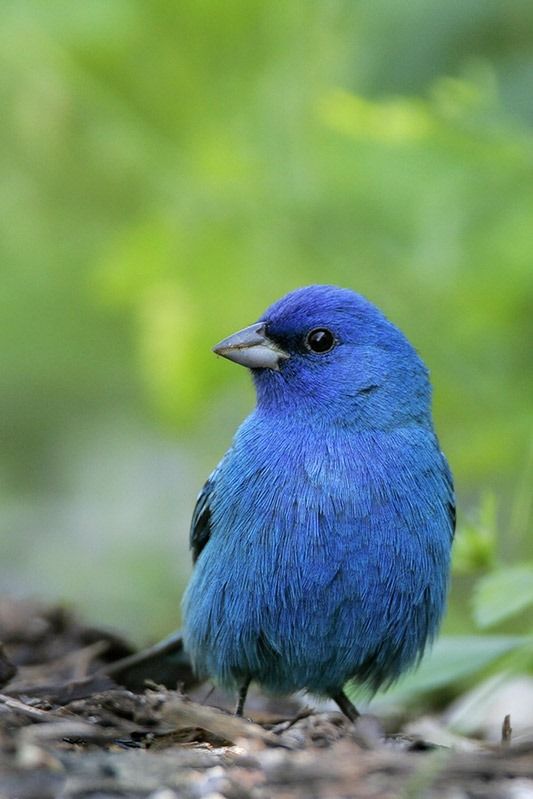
(201, 517)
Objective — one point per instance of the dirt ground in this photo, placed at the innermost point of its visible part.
(70, 727)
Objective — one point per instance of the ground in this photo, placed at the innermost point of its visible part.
(67, 729)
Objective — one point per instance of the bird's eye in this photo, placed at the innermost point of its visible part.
(320, 340)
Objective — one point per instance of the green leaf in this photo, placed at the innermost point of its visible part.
(453, 658)
(503, 594)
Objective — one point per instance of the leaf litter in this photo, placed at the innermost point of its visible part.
(69, 729)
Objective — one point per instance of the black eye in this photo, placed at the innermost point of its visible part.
(320, 340)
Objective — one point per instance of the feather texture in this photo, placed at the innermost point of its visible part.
(322, 540)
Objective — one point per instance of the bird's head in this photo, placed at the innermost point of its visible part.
(327, 351)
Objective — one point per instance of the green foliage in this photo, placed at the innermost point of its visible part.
(168, 171)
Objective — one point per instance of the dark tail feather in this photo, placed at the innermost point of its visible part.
(165, 663)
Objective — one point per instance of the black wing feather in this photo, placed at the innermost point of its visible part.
(201, 517)
(201, 522)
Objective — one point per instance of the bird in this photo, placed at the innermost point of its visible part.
(321, 542)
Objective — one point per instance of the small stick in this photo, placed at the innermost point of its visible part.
(507, 731)
(34, 713)
(180, 712)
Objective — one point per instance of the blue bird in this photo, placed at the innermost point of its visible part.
(322, 539)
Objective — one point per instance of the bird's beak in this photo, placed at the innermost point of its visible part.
(251, 347)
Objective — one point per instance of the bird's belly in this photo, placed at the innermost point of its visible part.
(312, 604)
(256, 621)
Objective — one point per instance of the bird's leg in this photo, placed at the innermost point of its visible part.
(349, 709)
(241, 699)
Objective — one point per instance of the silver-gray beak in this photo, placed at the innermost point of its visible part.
(251, 347)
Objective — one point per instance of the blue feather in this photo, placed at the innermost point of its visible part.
(323, 537)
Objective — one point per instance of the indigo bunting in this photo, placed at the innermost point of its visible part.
(322, 539)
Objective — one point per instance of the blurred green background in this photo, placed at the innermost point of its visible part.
(167, 170)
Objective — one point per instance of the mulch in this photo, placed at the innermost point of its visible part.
(70, 730)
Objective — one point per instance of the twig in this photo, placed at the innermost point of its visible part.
(507, 731)
(27, 710)
(230, 728)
